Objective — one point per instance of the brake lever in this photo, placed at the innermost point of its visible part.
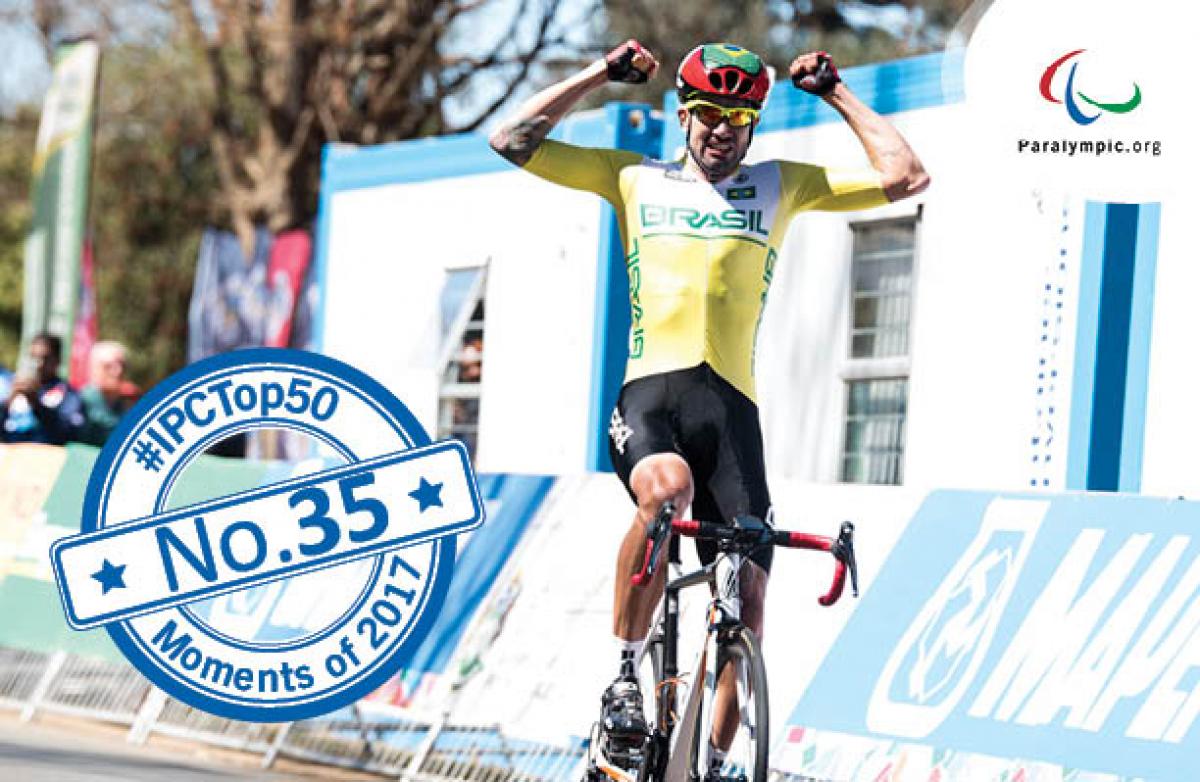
(845, 552)
(657, 534)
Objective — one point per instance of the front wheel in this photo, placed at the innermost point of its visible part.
(740, 660)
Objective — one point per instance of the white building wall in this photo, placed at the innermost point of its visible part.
(984, 255)
(540, 330)
(1172, 410)
(389, 249)
(978, 339)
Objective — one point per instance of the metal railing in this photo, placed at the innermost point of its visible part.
(20, 672)
(396, 744)
(399, 745)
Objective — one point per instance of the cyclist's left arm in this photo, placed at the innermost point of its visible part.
(900, 171)
(822, 189)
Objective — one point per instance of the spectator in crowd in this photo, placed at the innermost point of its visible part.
(108, 394)
(41, 407)
(470, 360)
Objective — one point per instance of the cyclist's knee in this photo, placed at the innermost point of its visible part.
(661, 478)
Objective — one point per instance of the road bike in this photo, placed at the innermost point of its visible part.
(677, 747)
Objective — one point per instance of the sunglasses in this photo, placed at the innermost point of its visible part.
(711, 115)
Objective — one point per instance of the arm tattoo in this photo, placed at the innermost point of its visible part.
(521, 139)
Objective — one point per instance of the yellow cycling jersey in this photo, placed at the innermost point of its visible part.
(700, 256)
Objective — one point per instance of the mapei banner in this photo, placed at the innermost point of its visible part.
(1059, 628)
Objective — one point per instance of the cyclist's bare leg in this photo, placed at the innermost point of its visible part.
(753, 592)
(655, 480)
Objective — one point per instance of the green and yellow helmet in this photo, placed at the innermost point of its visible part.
(723, 70)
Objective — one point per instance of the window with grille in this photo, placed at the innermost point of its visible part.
(876, 372)
(462, 306)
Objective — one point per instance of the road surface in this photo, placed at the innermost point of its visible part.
(65, 753)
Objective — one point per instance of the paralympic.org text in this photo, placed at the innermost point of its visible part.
(1096, 148)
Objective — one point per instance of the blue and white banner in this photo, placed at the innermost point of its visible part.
(1062, 628)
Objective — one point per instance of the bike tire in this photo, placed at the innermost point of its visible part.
(748, 753)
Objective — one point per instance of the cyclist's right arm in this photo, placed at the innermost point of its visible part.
(521, 135)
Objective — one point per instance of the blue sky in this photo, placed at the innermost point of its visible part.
(24, 75)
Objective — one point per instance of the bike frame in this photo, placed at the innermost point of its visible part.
(723, 576)
(724, 609)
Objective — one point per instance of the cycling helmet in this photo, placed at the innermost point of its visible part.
(723, 70)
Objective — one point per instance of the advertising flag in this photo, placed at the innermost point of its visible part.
(61, 171)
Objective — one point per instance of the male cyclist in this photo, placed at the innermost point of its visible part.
(701, 235)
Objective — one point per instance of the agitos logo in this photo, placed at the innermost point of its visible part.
(1072, 97)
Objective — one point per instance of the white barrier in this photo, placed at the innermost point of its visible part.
(543, 675)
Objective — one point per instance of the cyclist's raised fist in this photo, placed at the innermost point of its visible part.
(814, 73)
(631, 63)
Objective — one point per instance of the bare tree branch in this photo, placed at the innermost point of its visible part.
(47, 18)
(283, 77)
(223, 135)
(543, 41)
(493, 57)
(250, 27)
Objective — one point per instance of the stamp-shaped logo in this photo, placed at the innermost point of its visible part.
(371, 540)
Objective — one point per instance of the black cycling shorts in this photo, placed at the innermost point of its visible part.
(700, 416)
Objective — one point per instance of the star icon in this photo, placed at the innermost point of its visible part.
(428, 494)
(110, 576)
